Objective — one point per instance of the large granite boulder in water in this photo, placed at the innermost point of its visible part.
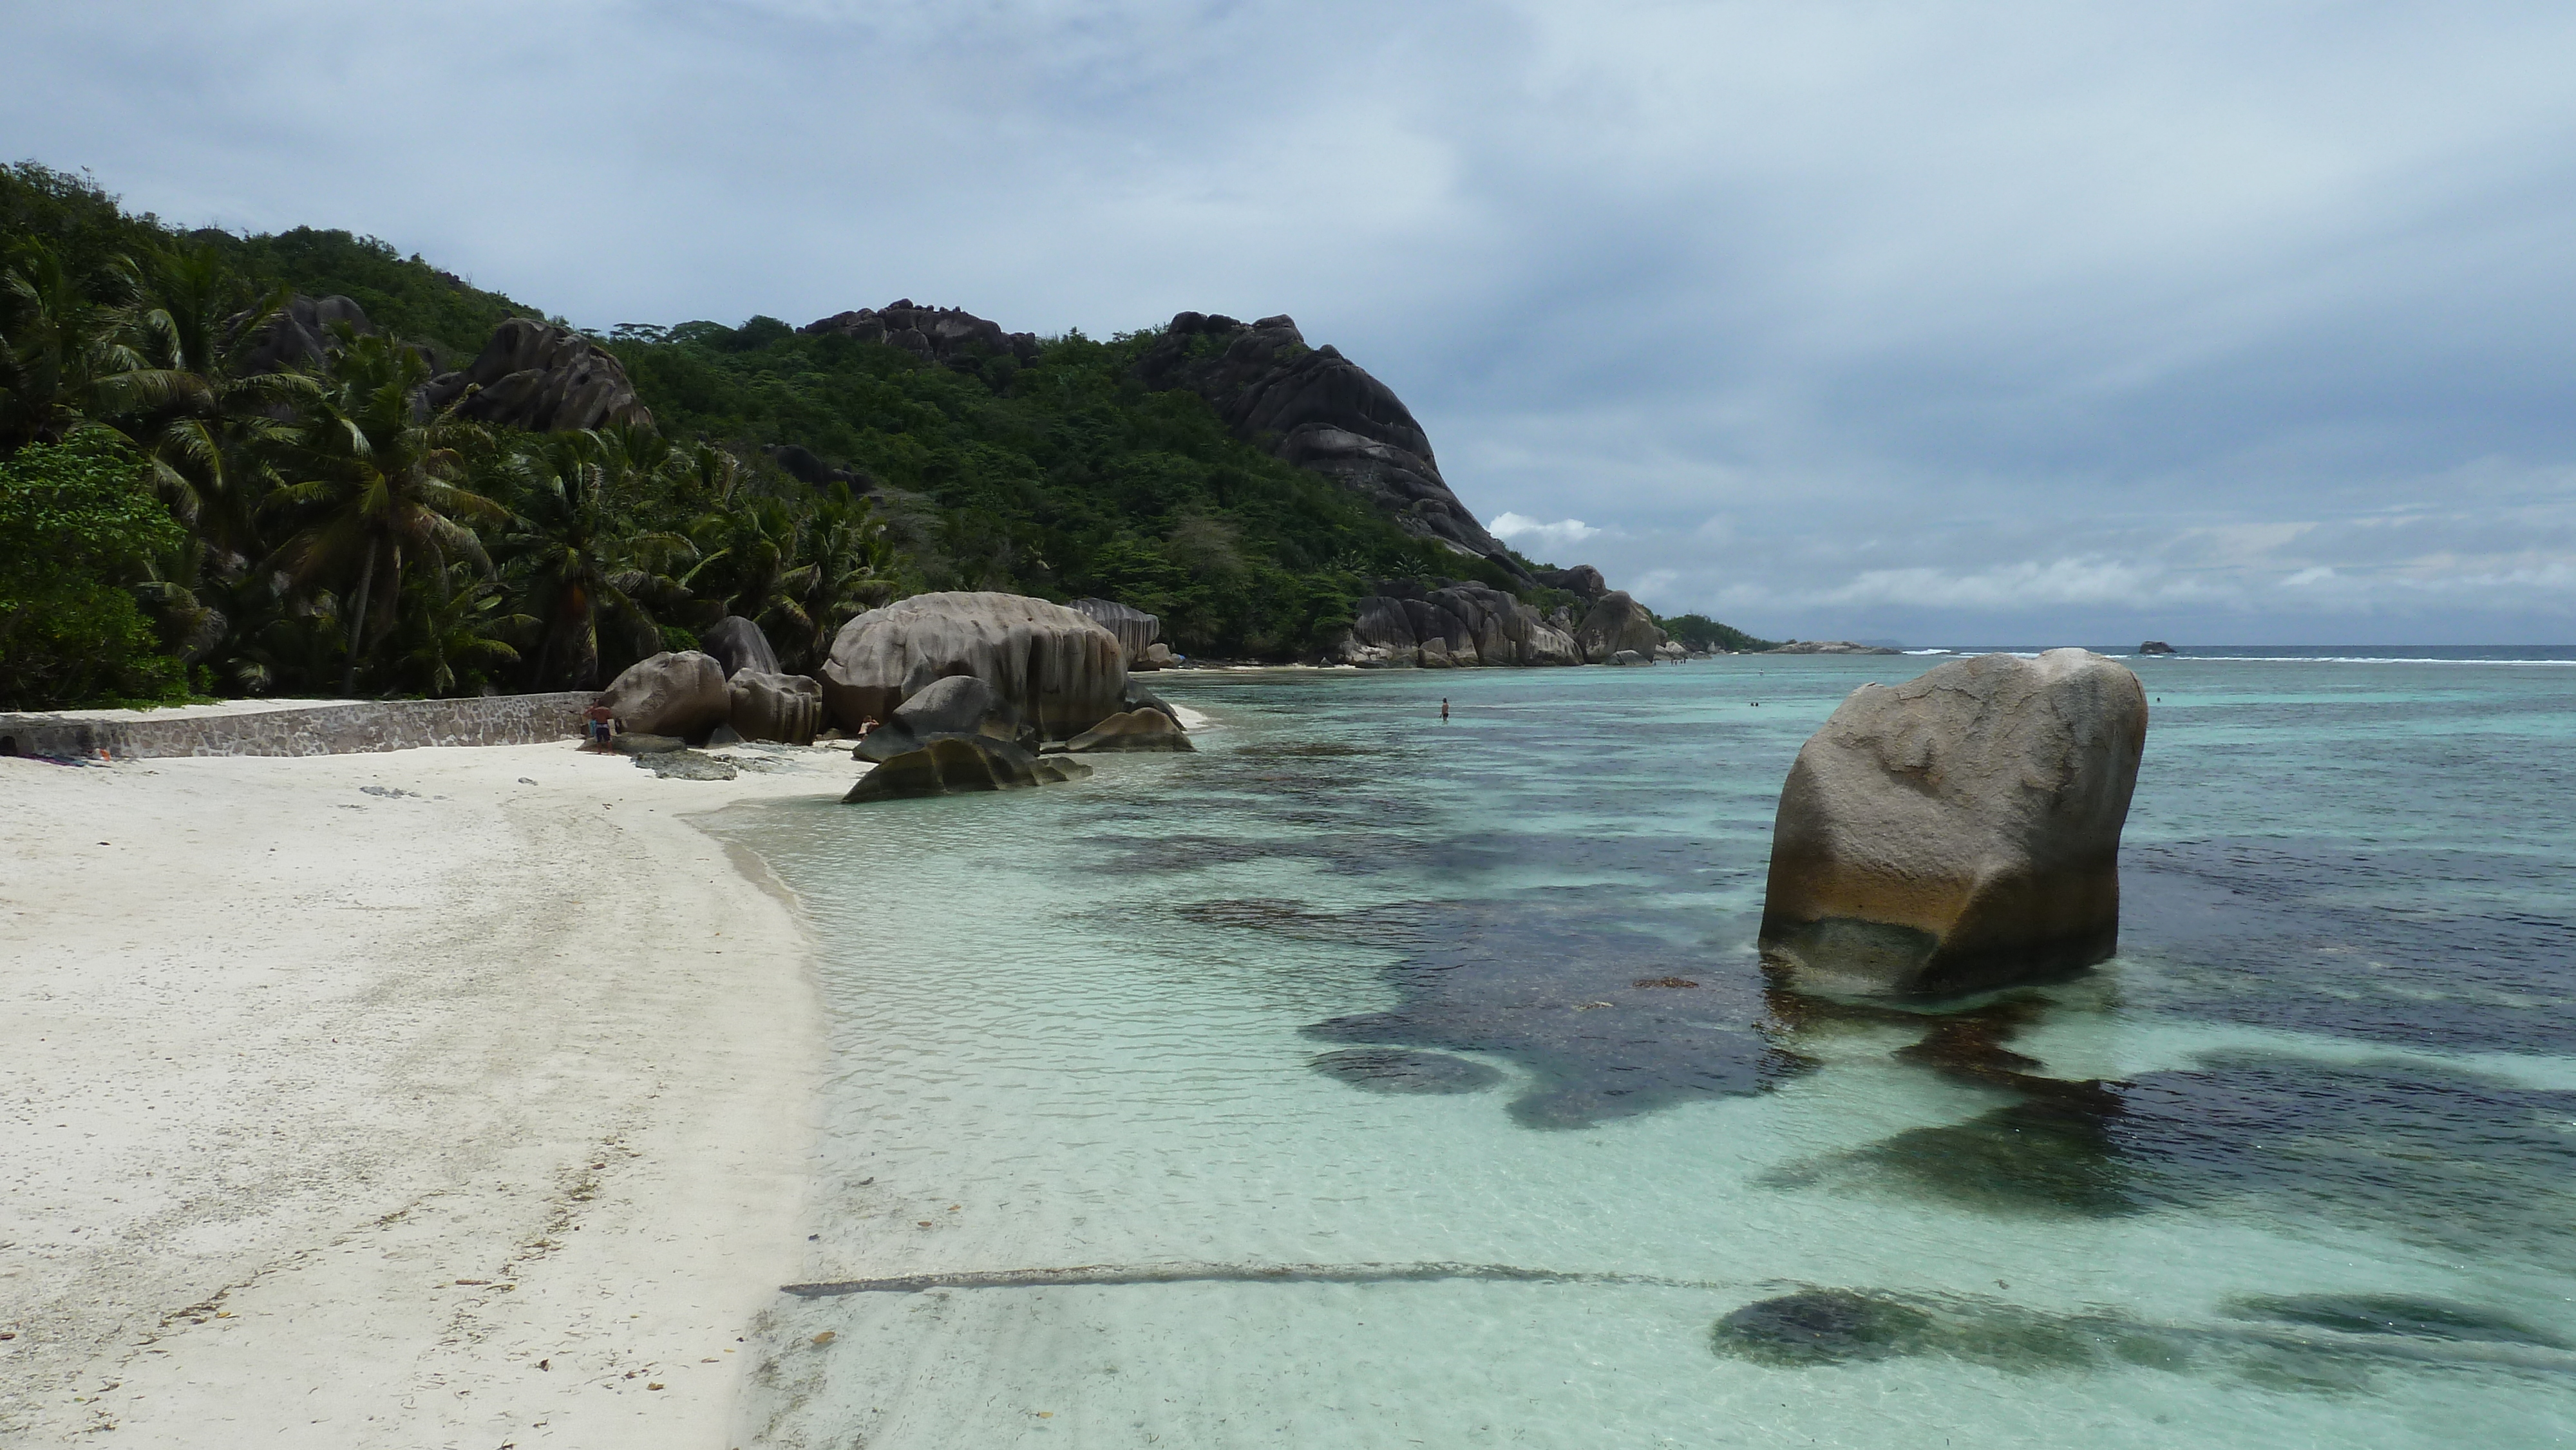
(737, 644)
(771, 706)
(540, 377)
(961, 763)
(680, 694)
(956, 705)
(1959, 831)
(1615, 623)
(1057, 668)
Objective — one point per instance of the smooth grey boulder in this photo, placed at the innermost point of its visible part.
(955, 763)
(1135, 730)
(1616, 622)
(543, 378)
(1957, 832)
(1629, 657)
(737, 644)
(955, 705)
(1136, 630)
(680, 693)
(767, 705)
(1158, 656)
(1057, 668)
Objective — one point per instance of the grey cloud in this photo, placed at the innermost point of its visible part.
(2001, 321)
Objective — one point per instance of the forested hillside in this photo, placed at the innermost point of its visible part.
(194, 502)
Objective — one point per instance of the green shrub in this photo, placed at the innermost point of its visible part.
(77, 526)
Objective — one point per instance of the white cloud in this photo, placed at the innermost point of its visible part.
(1513, 528)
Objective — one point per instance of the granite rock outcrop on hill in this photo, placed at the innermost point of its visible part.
(1319, 410)
(541, 377)
(1957, 832)
(933, 334)
(304, 333)
(1057, 668)
(1406, 623)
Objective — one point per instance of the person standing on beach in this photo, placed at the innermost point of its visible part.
(1444, 709)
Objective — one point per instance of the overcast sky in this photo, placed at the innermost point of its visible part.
(1944, 323)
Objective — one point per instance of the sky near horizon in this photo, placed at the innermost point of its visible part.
(1937, 323)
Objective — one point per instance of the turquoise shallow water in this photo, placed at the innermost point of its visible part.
(1351, 988)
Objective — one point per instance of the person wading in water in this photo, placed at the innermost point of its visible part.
(1444, 709)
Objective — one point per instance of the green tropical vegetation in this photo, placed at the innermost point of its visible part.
(179, 518)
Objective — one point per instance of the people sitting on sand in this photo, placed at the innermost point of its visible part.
(867, 725)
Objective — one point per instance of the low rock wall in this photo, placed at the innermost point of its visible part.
(350, 728)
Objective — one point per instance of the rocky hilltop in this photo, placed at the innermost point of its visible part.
(1317, 409)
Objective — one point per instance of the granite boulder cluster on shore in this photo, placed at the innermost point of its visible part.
(941, 692)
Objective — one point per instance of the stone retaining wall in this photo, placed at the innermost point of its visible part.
(355, 727)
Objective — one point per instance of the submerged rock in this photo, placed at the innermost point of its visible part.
(962, 763)
(675, 693)
(1057, 668)
(1396, 1070)
(1822, 1326)
(1144, 729)
(1959, 831)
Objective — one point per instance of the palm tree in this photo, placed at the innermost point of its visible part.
(372, 483)
(452, 642)
(56, 342)
(844, 572)
(208, 425)
(567, 544)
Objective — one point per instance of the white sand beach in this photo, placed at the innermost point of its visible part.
(477, 1115)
